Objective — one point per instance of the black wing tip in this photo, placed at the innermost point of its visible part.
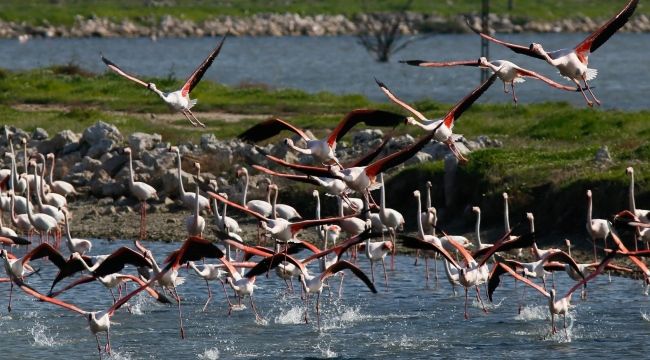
(412, 62)
(380, 83)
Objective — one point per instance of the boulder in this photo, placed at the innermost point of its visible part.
(101, 147)
(142, 141)
(40, 134)
(101, 131)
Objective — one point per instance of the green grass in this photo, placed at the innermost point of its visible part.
(141, 11)
(546, 163)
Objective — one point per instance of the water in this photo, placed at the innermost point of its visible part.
(340, 65)
(407, 320)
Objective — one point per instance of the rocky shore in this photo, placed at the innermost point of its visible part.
(296, 25)
(95, 163)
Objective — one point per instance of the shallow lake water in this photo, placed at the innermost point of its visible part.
(405, 320)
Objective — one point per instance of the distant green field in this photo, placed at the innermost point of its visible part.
(147, 11)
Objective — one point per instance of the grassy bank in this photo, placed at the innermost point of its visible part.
(546, 163)
(62, 12)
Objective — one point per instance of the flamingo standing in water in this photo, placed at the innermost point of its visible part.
(188, 198)
(572, 63)
(178, 100)
(643, 215)
(142, 192)
(508, 72)
(323, 151)
(597, 228)
(391, 218)
(442, 128)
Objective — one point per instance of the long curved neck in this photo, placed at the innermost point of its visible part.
(180, 175)
(25, 157)
(506, 215)
(631, 195)
(196, 206)
(245, 189)
(589, 208)
(52, 171)
(317, 207)
(268, 194)
(478, 229)
(274, 206)
(532, 224)
(419, 217)
(154, 264)
(131, 182)
(428, 197)
(223, 216)
(14, 218)
(39, 183)
(382, 200)
(39, 187)
(196, 269)
(14, 173)
(340, 202)
(30, 215)
(215, 205)
(67, 228)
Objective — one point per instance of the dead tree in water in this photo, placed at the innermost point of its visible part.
(380, 33)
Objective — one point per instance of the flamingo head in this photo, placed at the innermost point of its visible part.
(224, 195)
(529, 216)
(3, 253)
(242, 171)
(410, 120)
(483, 61)
(629, 171)
(127, 150)
(416, 193)
(537, 48)
(588, 193)
(173, 149)
(50, 156)
(288, 142)
(476, 209)
(152, 86)
(314, 193)
(505, 196)
(429, 185)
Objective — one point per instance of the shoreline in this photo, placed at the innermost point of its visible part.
(291, 24)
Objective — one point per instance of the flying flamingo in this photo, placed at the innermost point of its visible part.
(323, 151)
(312, 284)
(98, 321)
(59, 186)
(508, 72)
(442, 128)
(361, 178)
(178, 100)
(572, 63)
(188, 198)
(556, 306)
(142, 192)
(643, 215)
(597, 228)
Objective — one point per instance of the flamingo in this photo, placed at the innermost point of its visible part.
(59, 186)
(188, 199)
(18, 184)
(258, 206)
(43, 223)
(98, 321)
(391, 218)
(195, 224)
(18, 268)
(178, 100)
(29, 178)
(442, 128)
(81, 246)
(6, 231)
(284, 211)
(54, 199)
(572, 63)
(323, 151)
(508, 72)
(597, 228)
(47, 209)
(280, 229)
(360, 178)
(556, 306)
(208, 273)
(430, 214)
(225, 223)
(479, 245)
(20, 221)
(313, 284)
(642, 214)
(142, 192)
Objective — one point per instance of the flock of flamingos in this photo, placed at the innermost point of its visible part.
(359, 220)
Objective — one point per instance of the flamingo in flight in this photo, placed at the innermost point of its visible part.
(178, 100)
(442, 128)
(556, 306)
(98, 321)
(324, 150)
(509, 72)
(572, 63)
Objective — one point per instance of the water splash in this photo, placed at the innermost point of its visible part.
(645, 316)
(40, 334)
(139, 304)
(347, 316)
(209, 354)
(292, 316)
(326, 351)
(533, 313)
(115, 355)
